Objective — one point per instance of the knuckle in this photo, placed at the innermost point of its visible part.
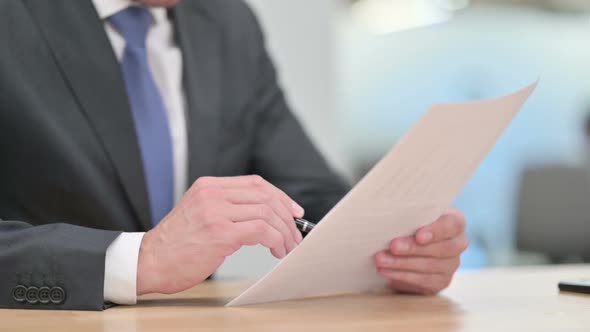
(461, 216)
(204, 193)
(447, 249)
(403, 247)
(452, 248)
(284, 232)
(458, 225)
(259, 226)
(202, 182)
(230, 247)
(257, 180)
(198, 196)
(459, 220)
(264, 196)
(456, 264)
(227, 245)
(278, 240)
(273, 237)
(265, 212)
(463, 244)
(457, 213)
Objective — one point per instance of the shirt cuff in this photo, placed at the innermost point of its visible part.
(120, 275)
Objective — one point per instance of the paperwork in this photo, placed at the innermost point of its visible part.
(408, 189)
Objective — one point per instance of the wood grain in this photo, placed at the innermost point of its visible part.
(511, 299)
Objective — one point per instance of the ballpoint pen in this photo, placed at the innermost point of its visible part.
(304, 226)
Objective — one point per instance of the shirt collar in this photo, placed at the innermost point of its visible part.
(106, 8)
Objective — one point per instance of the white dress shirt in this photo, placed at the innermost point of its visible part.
(165, 62)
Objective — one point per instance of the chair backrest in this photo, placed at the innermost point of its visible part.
(554, 211)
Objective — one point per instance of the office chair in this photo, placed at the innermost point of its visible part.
(553, 214)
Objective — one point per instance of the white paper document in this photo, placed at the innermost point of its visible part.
(408, 189)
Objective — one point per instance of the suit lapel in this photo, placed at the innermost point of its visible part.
(81, 49)
(199, 39)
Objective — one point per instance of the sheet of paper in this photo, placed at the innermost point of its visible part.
(408, 189)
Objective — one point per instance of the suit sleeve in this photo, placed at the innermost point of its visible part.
(54, 266)
(283, 153)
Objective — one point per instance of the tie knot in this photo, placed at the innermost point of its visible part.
(133, 24)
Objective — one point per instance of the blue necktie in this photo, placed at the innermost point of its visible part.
(148, 111)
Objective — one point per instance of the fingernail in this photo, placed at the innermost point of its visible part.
(426, 237)
(297, 210)
(402, 247)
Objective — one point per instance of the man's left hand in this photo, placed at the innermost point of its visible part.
(425, 262)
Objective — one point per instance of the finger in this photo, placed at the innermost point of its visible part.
(447, 226)
(245, 196)
(249, 196)
(405, 288)
(224, 182)
(385, 260)
(248, 181)
(290, 204)
(407, 246)
(260, 232)
(421, 283)
(295, 210)
(247, 212)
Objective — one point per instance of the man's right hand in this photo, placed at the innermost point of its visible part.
(214, 219)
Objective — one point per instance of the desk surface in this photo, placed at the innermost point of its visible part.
(516, 299)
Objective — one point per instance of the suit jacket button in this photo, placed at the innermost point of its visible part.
(44, 295)
(19, 292)
(57, 295)
(32, 295)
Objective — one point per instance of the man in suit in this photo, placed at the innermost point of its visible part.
(128, 130)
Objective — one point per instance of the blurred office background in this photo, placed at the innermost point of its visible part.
(359, 73)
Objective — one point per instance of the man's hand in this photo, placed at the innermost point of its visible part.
(214, 219)
(425, 263)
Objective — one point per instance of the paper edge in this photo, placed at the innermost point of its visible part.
(531, 87)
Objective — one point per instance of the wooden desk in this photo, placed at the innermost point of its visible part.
(517, 299)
